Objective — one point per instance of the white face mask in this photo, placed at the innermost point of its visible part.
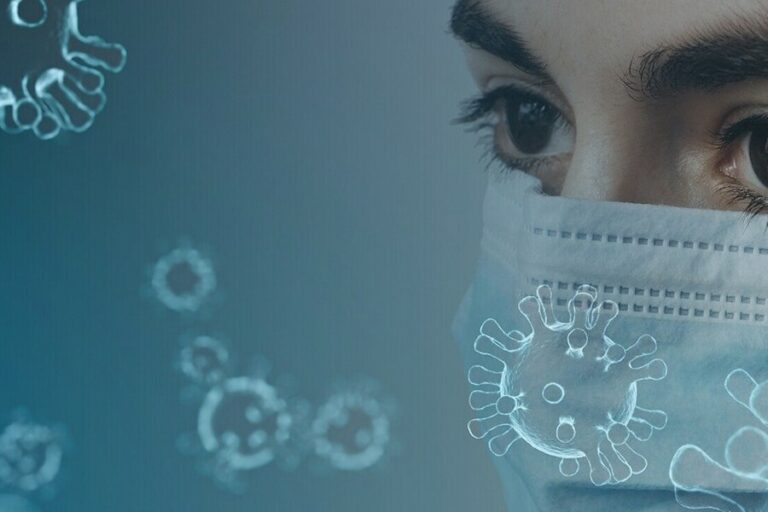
(590, 412)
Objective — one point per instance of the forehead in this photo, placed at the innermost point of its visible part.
(587, 38)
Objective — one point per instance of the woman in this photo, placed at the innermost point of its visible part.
(617, 328)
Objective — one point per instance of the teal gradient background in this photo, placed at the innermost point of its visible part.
(307, 146)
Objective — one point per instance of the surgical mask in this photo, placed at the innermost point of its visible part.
(616, 353)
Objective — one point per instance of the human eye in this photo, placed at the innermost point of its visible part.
(524, 130)
(745, 144)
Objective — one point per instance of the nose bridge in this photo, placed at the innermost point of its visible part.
(613, 159)
(603, 167)
(593, 173)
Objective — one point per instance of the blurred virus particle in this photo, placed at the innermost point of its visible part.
(15, 503)
(30, 455)
(244, 424)
(351, 430)
(204, 360)
(183, 279)
(51, 78)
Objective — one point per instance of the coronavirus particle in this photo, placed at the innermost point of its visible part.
(243, 423)
(183, 279)
(351, 430)
(52, 76)
(204, 360)
(30, 456)
(566, 388)
(741, 484)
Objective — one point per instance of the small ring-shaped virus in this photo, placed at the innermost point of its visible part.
(244, 422)
(183, 279)
(351, 431)
(30, 456)
(204, 360)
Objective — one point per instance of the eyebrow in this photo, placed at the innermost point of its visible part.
(474, 25)
(730, 52)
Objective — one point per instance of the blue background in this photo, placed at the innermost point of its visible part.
(307, 147)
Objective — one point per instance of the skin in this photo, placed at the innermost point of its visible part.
(656, 151)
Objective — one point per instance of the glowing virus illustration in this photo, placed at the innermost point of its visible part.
(566, 388)
(14, 503)
(701, 483)
(204, 360)
(183, 279)
(352, 430)
(30, 456)
(51, 78)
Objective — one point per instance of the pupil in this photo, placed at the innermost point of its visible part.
(758, 154)
(530, 124)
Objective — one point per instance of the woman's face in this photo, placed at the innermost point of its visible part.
(661, 102)
(653, 102)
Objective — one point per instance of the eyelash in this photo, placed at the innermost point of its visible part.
(477, 111)
(756, 204)
(733, 132)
